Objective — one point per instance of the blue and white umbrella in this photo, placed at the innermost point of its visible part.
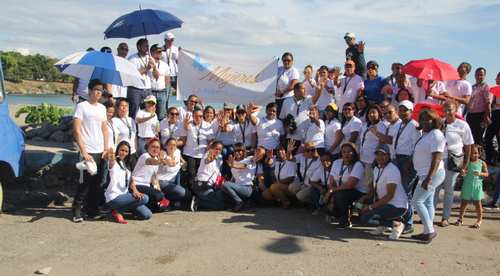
(103, 66)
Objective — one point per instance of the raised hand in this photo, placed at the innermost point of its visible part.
(361, 46)
(291, 145)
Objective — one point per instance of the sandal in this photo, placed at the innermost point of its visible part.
(477, 225)
(459, 222)
(444, 223)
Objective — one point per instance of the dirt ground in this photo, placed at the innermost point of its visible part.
(264, 241)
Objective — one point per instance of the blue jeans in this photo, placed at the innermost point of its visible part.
(315, 196)
(385, 214)
(237, 191)
(408, 179)
(211, 199)
(173, 190)
(135, 97)
(127, 202)
(161, 103)
(423, 200)
(448, 186)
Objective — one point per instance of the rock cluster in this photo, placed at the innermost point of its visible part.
(62, 133)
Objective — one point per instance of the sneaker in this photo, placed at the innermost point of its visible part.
(194, 204)
(408, 230)
(330, 219)
(238, 207)
(379, 230)
(345, 225)
(77, 215)
(396, 231)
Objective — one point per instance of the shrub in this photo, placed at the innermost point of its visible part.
(43, 113)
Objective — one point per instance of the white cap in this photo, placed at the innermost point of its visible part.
(150, 99)
(407, 104)
(169, 36)
(350, 35)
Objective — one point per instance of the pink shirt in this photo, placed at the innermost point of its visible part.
(480, 98)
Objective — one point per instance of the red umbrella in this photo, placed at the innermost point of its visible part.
(437, 107)
(495, 90)
(431, 69)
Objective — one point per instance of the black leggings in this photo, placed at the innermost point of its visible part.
(475, 121)
(492, 132)
(342, 202)
(192, 169)
(154, 195)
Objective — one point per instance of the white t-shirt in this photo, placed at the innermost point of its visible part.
(119, 180)
(417, 92)
(457, 135)
(82, 90)
(315, 134)
(300, 111)
(112, 135)
(269, 132)
(310, 86)
(244, 176)
(159, 84)
(353, 125)
(284, 169)
(437, 88)
(141, 62)
(168, 130)
(119, 91)
(429, 143)
(167, 173)
(326, 98)
(247, 128)
(321, 175)
(459, 88)
(91, 117)
(307, 167)
(369, 142)
(390, 128)
(390, 175)
(404, 137)
(170, 57)
(225, 137)
(143, 173)
(197, 138)
(183, 112)
(284, 79)
(348, 90)
(341, 171)
(126, 131)
(208, 172)
(330, 133)
(146, 129)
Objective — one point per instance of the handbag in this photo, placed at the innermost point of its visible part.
(455, 162)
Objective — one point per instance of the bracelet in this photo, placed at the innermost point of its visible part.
(370, 207)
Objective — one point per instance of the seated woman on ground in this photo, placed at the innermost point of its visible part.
(242, 171)
(169, 175)
(308, 162)
(144, 176)
(319, 182)
(389, 201)
(122, 194)
(285, 172)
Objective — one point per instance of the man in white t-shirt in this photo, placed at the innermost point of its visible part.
(119, 91)
(349, 87)
(91, 135)
(160, 79)
(170, 56)
(298, 106)
(144, 63)
(460, 90)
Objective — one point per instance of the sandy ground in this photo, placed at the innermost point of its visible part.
(266, 241)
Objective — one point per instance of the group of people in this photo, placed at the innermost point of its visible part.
(338, 142)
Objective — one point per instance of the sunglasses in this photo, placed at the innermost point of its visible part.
(348, 66)
(192, 101)
(287, 60)
(310, 150)
(174, 114)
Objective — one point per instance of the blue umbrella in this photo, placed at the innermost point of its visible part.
(104, 66)
(142, 23)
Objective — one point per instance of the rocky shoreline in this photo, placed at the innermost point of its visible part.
(38, 87)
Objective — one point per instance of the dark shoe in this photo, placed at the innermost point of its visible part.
(408, 230)
(418, 236)
(429, 237)
(77, 215)
(238, 207)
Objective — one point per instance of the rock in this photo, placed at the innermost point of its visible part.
(38, 139)
(31, 133)
(44, 271)
(57, 136)
(51, 181)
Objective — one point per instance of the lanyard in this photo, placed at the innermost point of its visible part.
(346, 84)
(126, 172)
(420, 138)
(298, 105)
(342, 170)
(169, 55)
(306, 167)
(110, 125)
(280, 167)
(400, 131)
(325, 176)
(198, 130)
(364, 135)
(128, 126)
(171, 130)
(379, 174)
(242, 129)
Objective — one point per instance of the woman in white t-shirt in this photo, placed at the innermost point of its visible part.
(285, 172)
(326, 96)
(315, 130)
(169, 175)
(288, 76)
(428, 163)
(243, 129)
(243, 172)
(308, 162)
(147, 123)
(371, 134)
(458, 146)
(346, 183)
(319, 182)
(387, 197)
(144, 176)
(309, 81)
(208, 195)
(125, 127)
(332, 127)
(170, 127)
(269, 129)
(350, 126)
(121, 194)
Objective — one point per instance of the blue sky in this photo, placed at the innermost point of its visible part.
(451, 30)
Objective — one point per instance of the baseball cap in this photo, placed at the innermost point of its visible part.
(350, 61)
(240, 108)
(155, 47)
(150, 99)
(228, 106)
(372, 63)
(169, 36)
(332, 106)
(383, 148)
(407, 104)
(349, 35)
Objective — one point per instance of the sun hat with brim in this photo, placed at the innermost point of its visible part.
(150, 99)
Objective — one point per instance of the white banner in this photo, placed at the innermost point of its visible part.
(222, 79)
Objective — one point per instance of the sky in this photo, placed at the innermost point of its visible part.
(313, 30)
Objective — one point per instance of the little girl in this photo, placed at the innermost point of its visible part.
(472, 187)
